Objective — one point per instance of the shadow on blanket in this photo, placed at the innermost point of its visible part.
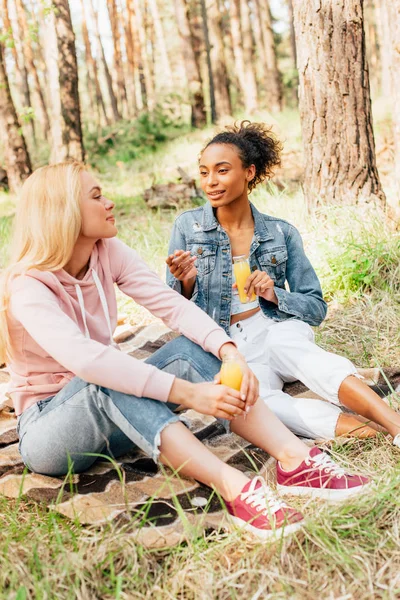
(133, 491)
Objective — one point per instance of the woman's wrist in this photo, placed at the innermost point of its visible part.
(228, 349)
(181, 392)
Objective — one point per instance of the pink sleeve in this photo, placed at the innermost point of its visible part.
(135, 278)
(37, 309)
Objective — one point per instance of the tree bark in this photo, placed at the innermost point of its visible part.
(292, 34)
(211, 84)
(18, 164)
(159, 34)
(30, 62)
(92, 68)
(192, 68)
(218, 62)
(68, 81)
(393, 8)
(335, 105)
(8, 30)
(131, 63)
(100, 48)
(146, 81)
(118, 65)
(273, 85)
(238, 53)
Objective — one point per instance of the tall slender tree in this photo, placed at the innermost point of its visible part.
(18, 164)
(146, 81)
(272, 82)
(118, 64)
(335, 105)
(92, 70)
(30, 62)
(100, 49)
(192, 67)
(133, 102)
(68, 82)
(211, 83)
(160, 40)
(248, 57)
(383, 27)
(218, 61)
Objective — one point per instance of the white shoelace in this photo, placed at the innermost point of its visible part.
(263, 499)
(324, 462)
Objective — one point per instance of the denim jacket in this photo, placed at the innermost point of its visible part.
(276, 248)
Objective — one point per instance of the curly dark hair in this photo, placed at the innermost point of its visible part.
(256, 145)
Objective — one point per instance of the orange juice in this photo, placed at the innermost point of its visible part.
(241, 269)
(231, 373)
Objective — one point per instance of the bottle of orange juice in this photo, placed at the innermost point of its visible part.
(231, 373)
(241, 269)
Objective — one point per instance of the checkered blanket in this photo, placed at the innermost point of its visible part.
(133, 491)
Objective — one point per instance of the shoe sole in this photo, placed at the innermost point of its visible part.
(266, 534)
(323, 493)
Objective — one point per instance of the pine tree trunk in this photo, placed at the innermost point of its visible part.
(131, 63)
(238, 53)
(92, 69)
(192, 68)
(8, 31)
(211, 84)
(100, 48)
(393, 8)
(30, 62)
(118, 65)
(68, 81)
(218, 62)
(146, 81)
(18, 164)
(272, 81)
(159, 34)
(25, 89)
(294, 89)
(335, 105)
(249, 58)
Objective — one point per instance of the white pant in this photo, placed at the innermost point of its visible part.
(281, 352)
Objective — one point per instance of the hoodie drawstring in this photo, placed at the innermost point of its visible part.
(104, 305)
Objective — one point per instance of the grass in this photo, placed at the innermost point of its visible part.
(348, 551)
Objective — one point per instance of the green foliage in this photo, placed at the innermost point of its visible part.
(128, 140)
(364, 266)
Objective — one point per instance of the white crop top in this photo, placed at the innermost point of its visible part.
(237, 306)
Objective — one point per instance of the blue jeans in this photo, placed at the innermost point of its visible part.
(83, 418)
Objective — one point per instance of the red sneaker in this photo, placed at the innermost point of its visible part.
(319, 476)
(258, 510)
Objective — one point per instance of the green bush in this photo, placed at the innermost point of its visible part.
(373, 264)
(126, 140)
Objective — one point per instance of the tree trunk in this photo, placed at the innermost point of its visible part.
(393, 8)
(292, 34)
(92, 68)
(159, 31)
(335, 105)
(237, 44)
(144, 68)
(192, 68)
(30, 62)
(118, 66)
(100, 48)
(211, 85)
(249, 58)
(68, 82)
(8, 31)
(273, 86)
(218, 63)
(26, 92)
(18, 164)
(131, 63)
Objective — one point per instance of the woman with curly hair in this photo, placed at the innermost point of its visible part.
(272, 326)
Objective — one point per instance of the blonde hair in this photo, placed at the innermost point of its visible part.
(46, 226)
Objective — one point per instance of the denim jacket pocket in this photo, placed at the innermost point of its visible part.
(273, 261)
(206, 256)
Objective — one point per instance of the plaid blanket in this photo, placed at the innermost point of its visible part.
(159, 509)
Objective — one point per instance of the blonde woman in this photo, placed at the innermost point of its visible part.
(76, 395)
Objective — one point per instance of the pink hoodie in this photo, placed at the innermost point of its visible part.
(61, 327)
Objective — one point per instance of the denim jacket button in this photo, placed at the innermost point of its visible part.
(199, 250)
(273, 260)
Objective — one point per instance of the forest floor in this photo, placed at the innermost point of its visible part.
(346, 551)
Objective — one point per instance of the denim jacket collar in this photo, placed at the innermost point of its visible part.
(261, 231)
